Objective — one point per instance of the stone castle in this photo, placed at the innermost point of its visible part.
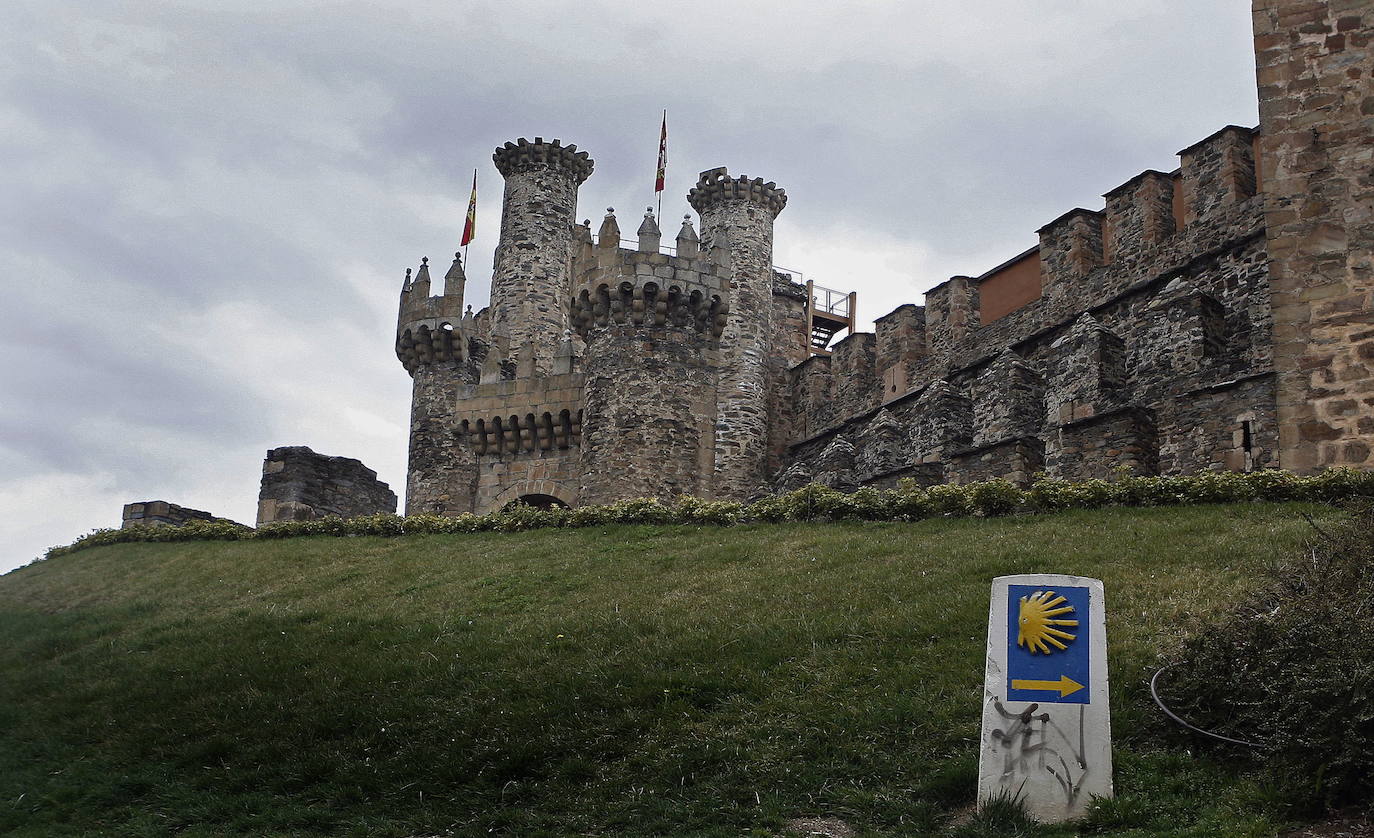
(1213, 317)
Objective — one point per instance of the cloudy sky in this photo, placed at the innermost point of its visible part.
(206, 209)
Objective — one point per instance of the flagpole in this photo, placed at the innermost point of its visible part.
(469, 244)
(665, 176)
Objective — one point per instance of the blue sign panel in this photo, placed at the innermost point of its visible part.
(1048, 648)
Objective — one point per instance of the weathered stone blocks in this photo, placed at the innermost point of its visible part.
(300, 485)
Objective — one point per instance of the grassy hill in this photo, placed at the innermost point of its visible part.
(620, 680)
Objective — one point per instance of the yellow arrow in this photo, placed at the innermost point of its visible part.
(1064, 686)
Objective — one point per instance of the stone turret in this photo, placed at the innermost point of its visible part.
(435, 344)
(532, 273)
(737, 223)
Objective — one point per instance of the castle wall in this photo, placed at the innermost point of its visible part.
(790, 345)
(1148, 351)
(650, 405)
(300, 485)
(651, 323)
(1313, 61)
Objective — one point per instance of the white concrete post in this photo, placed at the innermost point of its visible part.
(1046, 724)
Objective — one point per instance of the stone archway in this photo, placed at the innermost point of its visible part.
(541, 501)
(550, 492)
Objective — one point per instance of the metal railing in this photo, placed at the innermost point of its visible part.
(633, 244)
(830, 301)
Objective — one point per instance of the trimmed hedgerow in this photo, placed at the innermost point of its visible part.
(908, 502)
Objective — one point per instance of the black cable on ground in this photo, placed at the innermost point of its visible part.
(1154, 693)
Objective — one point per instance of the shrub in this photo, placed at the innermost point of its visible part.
(1292, 668)
(994, 497)
(908, 502)
(693, 510)
(639, 511)
(949, 499)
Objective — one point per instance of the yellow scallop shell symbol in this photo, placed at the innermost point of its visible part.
(1036, 630)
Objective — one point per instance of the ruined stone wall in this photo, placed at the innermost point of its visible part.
(300, 485)
(1315, 67)
(161, 513)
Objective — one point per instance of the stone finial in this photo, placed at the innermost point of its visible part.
(455, 280)
(649, 234)
(609, 234)
(405, 285)
(687, 242)
(421, 282)
(455, 271)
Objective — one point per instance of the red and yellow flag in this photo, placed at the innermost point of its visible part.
(662, 154)
(470, 226)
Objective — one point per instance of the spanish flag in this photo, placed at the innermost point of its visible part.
(470, 226)
(662, 154)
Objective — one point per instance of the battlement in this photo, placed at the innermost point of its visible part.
(523, 155)
(648, 289)
(1139, 306)
(715, 186)
(432, 329)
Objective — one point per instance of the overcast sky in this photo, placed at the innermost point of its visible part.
(206, 209)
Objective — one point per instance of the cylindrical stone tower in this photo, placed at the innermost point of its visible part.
(532, 273)
(431, 343)
(737, 216)
(650, 392)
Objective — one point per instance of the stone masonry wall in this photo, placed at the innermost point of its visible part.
(441, 474)
(1147, 352)
(162, 513)
(650, 413)
(300, 485)
(1315, 67)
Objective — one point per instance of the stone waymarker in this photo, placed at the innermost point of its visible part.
(1046, 726)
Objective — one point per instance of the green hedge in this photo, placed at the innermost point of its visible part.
(812, 503)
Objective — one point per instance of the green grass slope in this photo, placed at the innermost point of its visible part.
(626, 680)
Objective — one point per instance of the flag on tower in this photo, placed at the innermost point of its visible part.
(470, 226)
(662, 153)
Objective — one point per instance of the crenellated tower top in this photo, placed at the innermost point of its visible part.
(715, 186)
(523, 155)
